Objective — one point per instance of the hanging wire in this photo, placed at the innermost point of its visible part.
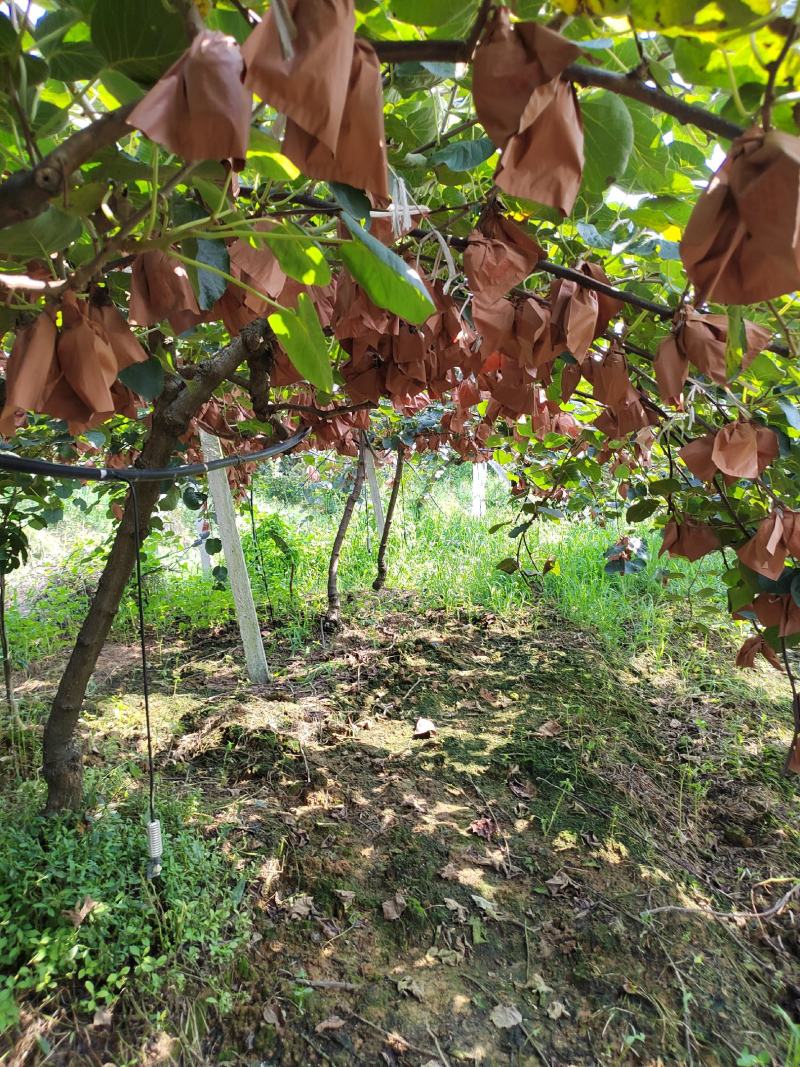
(153, 826)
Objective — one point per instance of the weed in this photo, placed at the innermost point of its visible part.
(76, 909)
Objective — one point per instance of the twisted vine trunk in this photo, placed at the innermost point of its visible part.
(387, 522)
(62, 755)
(332, 619)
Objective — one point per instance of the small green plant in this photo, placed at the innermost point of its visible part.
(75, 906)
(748, 1059)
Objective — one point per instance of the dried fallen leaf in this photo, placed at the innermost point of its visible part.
(557, 1009)
(449, 872)
(519, 790)
(397, 1042)
(394, 908)
(504, 1016)
(77, 914)
(102, 1017)
(301, 907)
(424, 728)
(333, 1022)
(274, 1015)
(558, 883)
(410, 987)
(445, 955)
(483, 827)
(415, 803)
(538, 985)
(459, 909)
(551, 728)
(487, 906)
(346, 896)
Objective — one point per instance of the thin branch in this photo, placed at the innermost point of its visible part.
(27, 193)
(770, 913)
(588, 77)
(774, 68)
(387, 524)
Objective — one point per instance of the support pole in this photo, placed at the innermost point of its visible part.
(249, 628)
(479, 473)
(374, 491)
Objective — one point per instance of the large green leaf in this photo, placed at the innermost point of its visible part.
(429, 12)
(608, 133)
(264, 156)
(387, 279)
(139, 38)
(52, 231)
(354, 201)
(64, 42)
(8, 37)
(208, 285)
(301, 337)
(299, 256)
(464, 155)
(146, 379)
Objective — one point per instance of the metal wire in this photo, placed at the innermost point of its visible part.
(143, 647)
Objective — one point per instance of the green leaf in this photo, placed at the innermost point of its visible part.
(301, 337)
(430, 12)
(52, 231)
(352, 200)
(508, 565)
(387, 279)
(73, 61)
(208, 285)
(146, 379)
(737, 340)
(791, 411)
(264, 156)
(220, 574)
(464, 155)
(192, 499)
(642, 509)
(608, 138)
(665, 486)
(139, 38)
(123, 89)
(299, 256)
(213, 545)
(9, 42)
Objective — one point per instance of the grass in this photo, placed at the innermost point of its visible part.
(436, 550)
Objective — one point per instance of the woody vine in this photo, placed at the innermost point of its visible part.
(569, 230)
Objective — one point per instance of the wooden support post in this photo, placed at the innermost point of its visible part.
(479, 472)
(249, 628)
(374, 491)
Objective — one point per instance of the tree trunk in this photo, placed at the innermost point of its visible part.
(179, 403)
(331, 619)
(387, 526)
(62, 757)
